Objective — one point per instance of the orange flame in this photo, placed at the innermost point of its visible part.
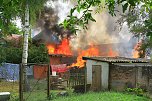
(112, 53)
(136, 50)
(135, 54)
(51, 48)
(63, 48)
(92, 51)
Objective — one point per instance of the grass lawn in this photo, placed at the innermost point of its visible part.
(12, 87)
(103, 96)
(40, 95)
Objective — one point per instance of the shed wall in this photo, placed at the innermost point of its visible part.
(122, 77)
(104, 74)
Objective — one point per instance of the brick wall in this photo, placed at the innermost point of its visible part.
(146, 78)
(122, 77)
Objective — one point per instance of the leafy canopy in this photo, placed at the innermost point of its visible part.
(140, 23)
(15, 9)
(74, 22)
(11, 54)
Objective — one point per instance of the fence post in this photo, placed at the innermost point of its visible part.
(85, 78)
(21, 82)
(48, 81)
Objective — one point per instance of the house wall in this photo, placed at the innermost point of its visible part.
(122, 77)
(104, 74)
(55, 60)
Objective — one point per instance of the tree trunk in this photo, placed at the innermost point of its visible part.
(25, 47)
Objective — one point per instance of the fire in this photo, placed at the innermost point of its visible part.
(112, 53)
(135, 54)
(136, 50)
(62, 48)
(92, 51)
(51, 48)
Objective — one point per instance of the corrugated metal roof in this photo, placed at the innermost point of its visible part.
(133, 64)
(117, 59)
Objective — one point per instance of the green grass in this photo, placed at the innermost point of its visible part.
(103, 96)
(36, 96)
(39, 94)
(12, 87)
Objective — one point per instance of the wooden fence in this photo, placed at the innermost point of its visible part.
(76, 77)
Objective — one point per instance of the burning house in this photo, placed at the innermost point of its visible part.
(118, 73)
(64, 49)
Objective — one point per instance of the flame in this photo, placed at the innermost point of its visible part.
(135, 52)
(62, 48)
(112, 53)
(92, 51)
(51, 48)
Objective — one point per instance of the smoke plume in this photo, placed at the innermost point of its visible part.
(104, 31)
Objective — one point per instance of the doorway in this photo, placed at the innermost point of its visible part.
(96, 77)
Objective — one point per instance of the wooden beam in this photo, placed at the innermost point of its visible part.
(85, 78)
(21, 82)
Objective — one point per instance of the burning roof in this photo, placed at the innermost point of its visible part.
(117, 59)
(59, 55)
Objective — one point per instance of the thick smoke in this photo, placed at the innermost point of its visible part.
(48, 22)
(105, 30)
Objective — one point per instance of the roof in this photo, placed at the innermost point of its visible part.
(59, 55)
(117, 59)
(133, 64)
(13, 37)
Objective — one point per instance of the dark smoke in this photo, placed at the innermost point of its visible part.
(51, 31)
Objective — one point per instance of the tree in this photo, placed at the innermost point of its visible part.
(12, 54)
(12, 9)
(138, 15)
(74, 23)
(139, 21)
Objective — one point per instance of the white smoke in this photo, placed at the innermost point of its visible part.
(104, 31)
(62, 7)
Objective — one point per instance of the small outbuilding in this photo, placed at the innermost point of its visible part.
(118, 73)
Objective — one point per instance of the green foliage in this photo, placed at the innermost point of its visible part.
(13, 55)
(13, 29)
(2, 55)
(74, 23)
(12, 9)
(139, 20)
(37, 54)
(137, 91)
(103, 96)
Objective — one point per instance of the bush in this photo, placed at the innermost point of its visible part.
(137, 91)
(36, 54)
